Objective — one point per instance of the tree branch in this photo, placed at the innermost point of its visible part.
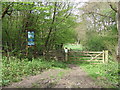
(112, 7)
(54, 14)
(91, 12)
(6, 10)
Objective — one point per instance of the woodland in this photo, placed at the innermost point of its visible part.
(95, 26)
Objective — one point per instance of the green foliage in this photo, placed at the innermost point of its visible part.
(15, 70)
(107, 40)
(108, 73)
(64, 36)
(94, 42)
(112, 30)
(37, 16)
(101, 33)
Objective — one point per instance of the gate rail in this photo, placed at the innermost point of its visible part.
(90, 56)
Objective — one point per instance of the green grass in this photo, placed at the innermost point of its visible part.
(60, 74)
(105, 74)
(14, 70)
(75, 47)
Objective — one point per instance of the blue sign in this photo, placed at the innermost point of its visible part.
(31, 38)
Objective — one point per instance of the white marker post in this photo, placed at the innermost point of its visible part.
(66, 54)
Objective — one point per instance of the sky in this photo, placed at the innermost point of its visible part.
(61, 0)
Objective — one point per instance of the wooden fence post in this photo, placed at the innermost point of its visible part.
(103, 56)
(106, 56)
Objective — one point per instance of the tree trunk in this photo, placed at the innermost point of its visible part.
(50, 31)
(118, 20)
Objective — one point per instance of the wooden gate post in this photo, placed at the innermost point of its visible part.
(103, 56)
(106, 56)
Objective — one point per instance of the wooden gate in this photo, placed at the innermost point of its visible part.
(94, 57)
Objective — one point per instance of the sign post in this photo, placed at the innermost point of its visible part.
(31, 38)
(30, 44)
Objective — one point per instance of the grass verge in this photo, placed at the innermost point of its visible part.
(104, 74)
(15, 70)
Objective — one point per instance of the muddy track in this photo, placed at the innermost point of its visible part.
(74, 77)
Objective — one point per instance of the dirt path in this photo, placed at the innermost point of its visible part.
(74, 77)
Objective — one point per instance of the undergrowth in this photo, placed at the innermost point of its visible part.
(15, 70)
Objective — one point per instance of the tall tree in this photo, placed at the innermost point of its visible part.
(102, 19)
(118, 20)
(52, 22)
